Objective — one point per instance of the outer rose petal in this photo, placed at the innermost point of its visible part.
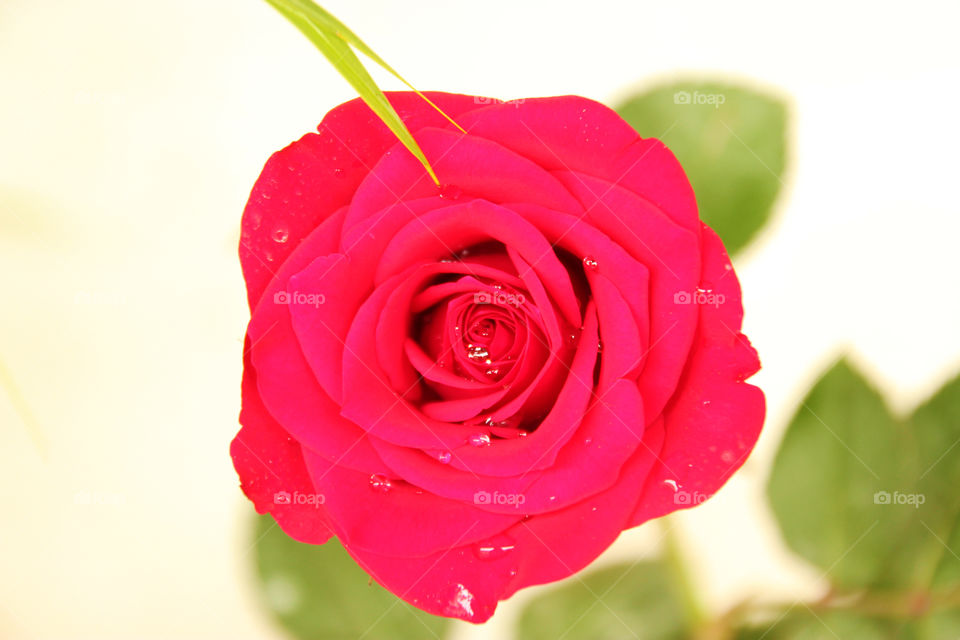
(715, 419)
(458, 582)
(286, 384)
(403, 521)
(304, 183)
(269, 461)
(576, 134)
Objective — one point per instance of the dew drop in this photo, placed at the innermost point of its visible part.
(338, 172)
(590, 263)
(462, 601)
(380, 482)
(444, 457)
(477, 352)
(672, 484)
(268, 255)
(706, 403)
(256, 220)
(479, 440)
(492, 372)
(450, 192)
(281, 234)
(490, 551)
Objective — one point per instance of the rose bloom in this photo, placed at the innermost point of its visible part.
(485, 383)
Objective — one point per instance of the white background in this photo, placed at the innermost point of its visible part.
(131, 133)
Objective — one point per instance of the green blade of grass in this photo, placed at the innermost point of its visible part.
(329, 22)
(333, 39)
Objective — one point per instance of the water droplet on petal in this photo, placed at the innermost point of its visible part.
(444, 457)
(255, 220)
(380, 482)
(491, 551)
(590, 263)
(706, 403)
(478, 352)
(462, 601)
(479, 440)
(280, 234)
(450, 192)
(672, 484)
(338, 172)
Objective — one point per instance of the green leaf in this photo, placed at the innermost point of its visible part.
(804, 624)
(732, 143)
(333, 39)
(870, 499)
(318, 592)
(641, 600)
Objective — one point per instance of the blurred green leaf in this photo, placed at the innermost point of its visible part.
(804, 624)
(731, 142)
(333, 39)
(871, 499)
(643, 600)
(318, 592)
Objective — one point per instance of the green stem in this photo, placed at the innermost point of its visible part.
(673, 555)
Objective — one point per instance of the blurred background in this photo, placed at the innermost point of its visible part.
(131, 134)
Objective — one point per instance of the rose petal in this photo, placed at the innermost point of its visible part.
(715, 419)
(307, 181)
(572, 133)
(465, 583)
(269, 462)
(473, 166)
(672, 256)
(402, 520)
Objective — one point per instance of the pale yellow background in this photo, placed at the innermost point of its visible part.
(131, 132)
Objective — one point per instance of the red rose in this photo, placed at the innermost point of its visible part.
(476, 388)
